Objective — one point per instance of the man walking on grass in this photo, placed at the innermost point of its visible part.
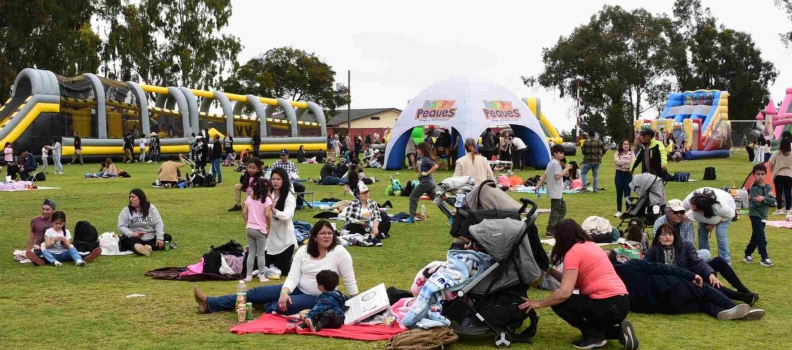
(593, 150)
(77, 149)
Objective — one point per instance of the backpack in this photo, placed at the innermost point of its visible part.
(40, 177)
(408, 189)
(86, 238)
(210, 181)
(709, 173)
(422, 339)
(212, 262)
(232, 247)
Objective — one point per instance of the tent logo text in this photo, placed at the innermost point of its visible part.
(500, 110)
(436, 109)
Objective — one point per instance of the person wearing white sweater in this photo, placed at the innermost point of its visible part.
(712, 209)
(300, 290)
(281, 241)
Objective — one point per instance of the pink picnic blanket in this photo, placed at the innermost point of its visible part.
(276, 324)
(779, 223)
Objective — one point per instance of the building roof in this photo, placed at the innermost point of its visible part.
(341, 115)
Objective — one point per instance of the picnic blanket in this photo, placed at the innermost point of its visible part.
(530, 189)
(173, 274)
(276, 324)
(779, 223)
(15, 186)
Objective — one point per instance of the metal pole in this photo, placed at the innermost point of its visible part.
(349, 101)
(577, 115)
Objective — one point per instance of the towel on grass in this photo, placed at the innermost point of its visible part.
(276, 324)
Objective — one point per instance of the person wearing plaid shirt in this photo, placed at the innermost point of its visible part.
(368, 215)
(286, 164)
(593, 150)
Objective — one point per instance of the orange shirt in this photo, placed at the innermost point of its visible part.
(596, 277)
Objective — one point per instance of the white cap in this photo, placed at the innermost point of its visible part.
(675, 205)
(363, 188)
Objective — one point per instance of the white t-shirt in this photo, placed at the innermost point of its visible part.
(517, 142)
(56, 238)
(44, 152)
(142, 143)
(304, 269)
(555, 187)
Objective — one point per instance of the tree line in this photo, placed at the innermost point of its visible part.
(157, 42)
(626, 63)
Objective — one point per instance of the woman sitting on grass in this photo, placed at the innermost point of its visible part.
(301, 290)
(142, 225)
(363, 217)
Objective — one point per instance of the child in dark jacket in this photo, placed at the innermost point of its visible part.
(329, 309)
(761, 198)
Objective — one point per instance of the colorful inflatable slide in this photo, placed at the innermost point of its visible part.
(776, 121)
(699, 118)
(44, 105)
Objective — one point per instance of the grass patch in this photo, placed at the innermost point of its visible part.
(72, 307)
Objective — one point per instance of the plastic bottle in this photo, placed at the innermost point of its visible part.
(241, 294)
(423, 212)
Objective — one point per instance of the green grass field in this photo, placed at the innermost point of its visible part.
(71, 307)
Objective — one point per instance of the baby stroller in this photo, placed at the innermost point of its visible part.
(484, 201)
(195, 178)
(650, 203)
(458, 187)
(489, 301)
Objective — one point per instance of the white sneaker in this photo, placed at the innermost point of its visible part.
(149, 162)
(779, 212)
(618, 214)
(766, 262)
(734, 313)
(80, 263)
(58, 264)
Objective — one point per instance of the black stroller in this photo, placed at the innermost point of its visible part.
(650, 203)
(489, 301)
(195, 178)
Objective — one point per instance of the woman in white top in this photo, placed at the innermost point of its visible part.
(781, 168)
(56, 155)
(281, 240)
(623, 158)
(712, 209)
(44, 162)
(470, 165)
(300, 290)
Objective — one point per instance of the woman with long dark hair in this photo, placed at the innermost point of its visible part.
(142, 225)
(713, 209)
(600, 309)
(623, 158)
(780, 165)
(668, 248)
(426, 183)
(281, 241)
(300, 290)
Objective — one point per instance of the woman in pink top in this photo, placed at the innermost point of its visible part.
(623, 158)
(257, 218)
(600, 308)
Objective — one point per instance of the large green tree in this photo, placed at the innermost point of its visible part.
(292, 74)
(718, 58)
(620, 62)
(52, 35)
(170, 42)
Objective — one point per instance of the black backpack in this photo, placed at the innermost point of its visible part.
(709, 173)
(210, 181)
(232, 247)
(86, 238)
(40, 177)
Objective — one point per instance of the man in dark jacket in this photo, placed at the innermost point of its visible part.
(652, 157)
(256, 143)
(217, 158)
(77, 149)
(341, 168)
(326, 175)
(488, 144)
(27, 164)
(658, 288)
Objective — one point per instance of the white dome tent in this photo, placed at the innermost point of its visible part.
(467, 107)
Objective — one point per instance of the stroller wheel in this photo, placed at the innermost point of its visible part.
(503, 340)
(189, 184)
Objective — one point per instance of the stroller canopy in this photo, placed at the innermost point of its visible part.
(650, 185)
(487, 195)
(498, 237)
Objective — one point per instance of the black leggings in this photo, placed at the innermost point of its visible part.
(282, 260)
(722, 267)
(783, 187)
(595, 317)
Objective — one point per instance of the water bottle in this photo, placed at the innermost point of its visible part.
(241, 295)
(423, 212)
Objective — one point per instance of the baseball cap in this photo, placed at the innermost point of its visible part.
(284, 152)
(342, 160)
(675, 205)
(363, 188)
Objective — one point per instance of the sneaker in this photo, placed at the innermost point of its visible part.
(58, 264)
(80, 263)
(754, 299)
(377, 242)
(30, 255)
(589, 343)
(627, 337)
(143, 249)
(748, 259)
(618, 214)
(94, 254)
(734, 313)
(149, 162)
(753, 315)
(408, 221)
(766, 262)
(236, 207)
(365, 243)
(779, 212)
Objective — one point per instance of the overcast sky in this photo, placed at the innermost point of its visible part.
(396, 49)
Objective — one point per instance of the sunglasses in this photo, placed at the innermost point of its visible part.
(680, 212)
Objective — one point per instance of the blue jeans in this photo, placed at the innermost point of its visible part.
(332, 180)
(69, 255)
(623, 180)
(216, 170)
(758, 238)
(267, 295)
(584, 171)
(722, 236)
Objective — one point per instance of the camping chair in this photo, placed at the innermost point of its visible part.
(31, 176)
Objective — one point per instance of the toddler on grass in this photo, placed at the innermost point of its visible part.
(329, 309)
